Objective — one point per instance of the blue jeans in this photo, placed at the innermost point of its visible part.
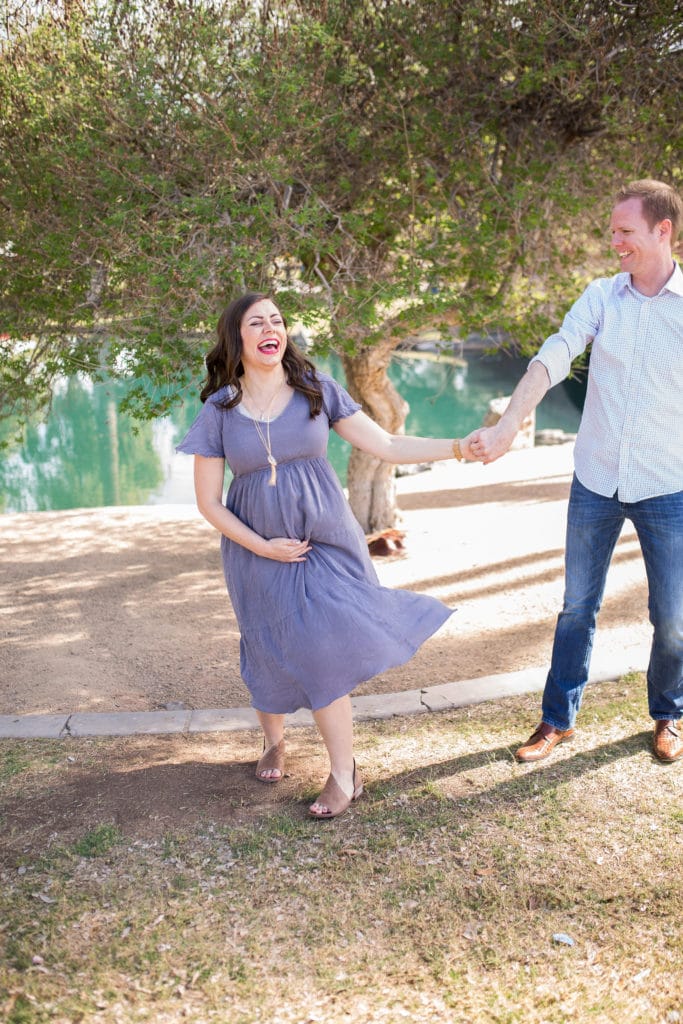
(593, 526)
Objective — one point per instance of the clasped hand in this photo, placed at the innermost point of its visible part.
(487, 443)
(284, 549)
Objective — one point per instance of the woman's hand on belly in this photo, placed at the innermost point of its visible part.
(283, 549)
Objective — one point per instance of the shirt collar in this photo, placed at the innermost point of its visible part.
(674, 284)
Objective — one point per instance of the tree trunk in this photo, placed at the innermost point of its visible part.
(372, 491)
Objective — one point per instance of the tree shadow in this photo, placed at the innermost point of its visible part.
(157, 799)
(143, 802)
(621, 555)
(544, 775)
(505, 492)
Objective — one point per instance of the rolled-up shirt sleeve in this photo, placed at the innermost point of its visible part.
(578, 329)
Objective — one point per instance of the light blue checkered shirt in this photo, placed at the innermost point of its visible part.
(630, 439)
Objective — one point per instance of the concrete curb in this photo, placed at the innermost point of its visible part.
(609, 665)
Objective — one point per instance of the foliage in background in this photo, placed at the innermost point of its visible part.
(383, 166)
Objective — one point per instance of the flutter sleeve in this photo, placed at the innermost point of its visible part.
(205, 436)
(337, 402)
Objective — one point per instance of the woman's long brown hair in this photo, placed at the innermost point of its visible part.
(224, 361)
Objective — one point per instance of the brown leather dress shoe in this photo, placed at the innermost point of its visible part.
(542, 741)
(668, 743)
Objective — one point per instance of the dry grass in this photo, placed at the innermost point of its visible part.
(438, 899)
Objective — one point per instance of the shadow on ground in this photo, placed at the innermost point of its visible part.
(153, 786)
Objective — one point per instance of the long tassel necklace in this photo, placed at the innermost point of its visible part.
(265, 439)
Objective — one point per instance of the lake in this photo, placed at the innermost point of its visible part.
(88, 453)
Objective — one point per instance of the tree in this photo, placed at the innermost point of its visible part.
(383, 164)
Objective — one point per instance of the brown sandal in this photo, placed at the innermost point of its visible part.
(335, 799)
(272, 759)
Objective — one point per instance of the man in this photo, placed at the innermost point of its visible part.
(628, 458)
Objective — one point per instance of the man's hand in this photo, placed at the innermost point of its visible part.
(488, 443)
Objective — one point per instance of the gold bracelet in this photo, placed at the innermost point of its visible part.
(457, 454)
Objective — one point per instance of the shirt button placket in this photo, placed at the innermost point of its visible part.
(633, 399)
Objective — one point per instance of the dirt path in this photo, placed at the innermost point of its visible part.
(125, 608)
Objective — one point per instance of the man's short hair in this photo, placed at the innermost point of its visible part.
(659, 202)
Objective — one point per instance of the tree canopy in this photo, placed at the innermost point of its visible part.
(381, 165)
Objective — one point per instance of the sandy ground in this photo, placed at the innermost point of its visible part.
(125, 608)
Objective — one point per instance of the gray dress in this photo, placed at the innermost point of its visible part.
(310, 631)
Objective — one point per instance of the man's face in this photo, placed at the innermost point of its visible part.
(638, 246)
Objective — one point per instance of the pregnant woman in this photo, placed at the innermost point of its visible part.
(314, 621)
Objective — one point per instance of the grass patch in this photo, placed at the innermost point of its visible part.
(98, 842)
(11, 763)
(176, 888)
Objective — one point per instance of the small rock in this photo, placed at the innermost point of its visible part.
(563, 939)
(551, 436)
(386, 542)
(410, 469)
(41, 896)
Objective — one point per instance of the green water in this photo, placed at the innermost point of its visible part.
(88, 453)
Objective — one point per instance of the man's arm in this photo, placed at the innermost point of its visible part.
(488, 443)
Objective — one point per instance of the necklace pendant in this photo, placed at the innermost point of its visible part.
(273, 471)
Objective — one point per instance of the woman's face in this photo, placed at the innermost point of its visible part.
(264, 337)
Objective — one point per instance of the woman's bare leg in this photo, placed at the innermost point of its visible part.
(335, 722)
(273, 729)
